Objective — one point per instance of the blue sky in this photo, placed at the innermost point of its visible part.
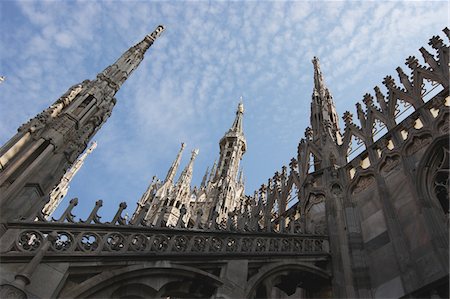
(189, 84)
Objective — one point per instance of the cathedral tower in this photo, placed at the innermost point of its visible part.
(324, 118)
(233, 146)
(34, 160)
(325, 131)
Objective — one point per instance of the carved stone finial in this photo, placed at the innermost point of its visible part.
(348, 117)
(412, 62)
(183, 212)
(157, 32)
(94, 216)
(360, 112)
(67, 215)
(380, 98)
(368, 100)
(276, 176)
(293, 164)
(118, 219)
(195, 153)
(389, 82)
(198, 218)
(308, 133)
(240, 108)
(139, 219)
(436, 42)
(447, 32)
(404, 79)
(263, 188)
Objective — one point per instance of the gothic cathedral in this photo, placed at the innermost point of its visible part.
(325, 226)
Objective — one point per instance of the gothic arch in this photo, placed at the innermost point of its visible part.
(314, 214)
(362, 180)
(388, 162)
(108, 280)
(278, 269)
(417, 140)
(433, 176)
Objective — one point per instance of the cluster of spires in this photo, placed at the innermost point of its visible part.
(222, 189)
(169, 198)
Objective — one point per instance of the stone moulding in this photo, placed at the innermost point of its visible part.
(101, 240)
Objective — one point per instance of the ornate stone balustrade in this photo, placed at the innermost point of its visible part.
(100, 240)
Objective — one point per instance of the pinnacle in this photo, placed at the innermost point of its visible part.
(156, 33)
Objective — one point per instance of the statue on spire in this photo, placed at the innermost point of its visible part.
(237, 124)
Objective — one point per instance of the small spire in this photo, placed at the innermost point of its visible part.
(213, 171)
(241, 176)
(186, 175)
(194, 153)
(174, 167)
(324, 117)
(150, 38)
(205, 178)
(237, 124)
(156, 33)
(319, 84)
(92, 147)
(241, 105)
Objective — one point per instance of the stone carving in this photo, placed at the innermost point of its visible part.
(439, 173)
(71, 240)
(362, 184)
(313, 199)
(444, 127)
(418, 143)
(389, 163)
(11, 292)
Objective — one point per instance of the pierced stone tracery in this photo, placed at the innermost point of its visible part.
(438, 176)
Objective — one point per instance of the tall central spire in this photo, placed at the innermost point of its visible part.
(35, 159)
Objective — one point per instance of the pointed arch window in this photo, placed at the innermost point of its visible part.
(437, 175)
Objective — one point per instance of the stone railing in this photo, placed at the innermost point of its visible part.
(100, 240)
